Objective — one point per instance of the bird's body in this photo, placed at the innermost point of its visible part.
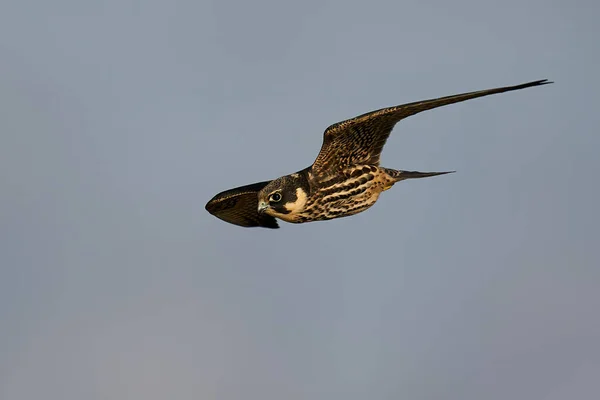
(352, 190)
(345, 178)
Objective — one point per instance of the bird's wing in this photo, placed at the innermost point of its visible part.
(360, 140)
(239, 206)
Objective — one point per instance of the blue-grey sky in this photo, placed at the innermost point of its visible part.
(120, 119)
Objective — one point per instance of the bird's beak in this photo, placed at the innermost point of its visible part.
(262, 206)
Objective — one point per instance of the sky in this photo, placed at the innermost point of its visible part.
(119, 120)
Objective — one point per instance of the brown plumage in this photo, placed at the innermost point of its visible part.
(345, 178)
(239, 206)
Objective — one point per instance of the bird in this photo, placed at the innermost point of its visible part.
(345, 178)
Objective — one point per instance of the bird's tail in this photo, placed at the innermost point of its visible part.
(399, 175)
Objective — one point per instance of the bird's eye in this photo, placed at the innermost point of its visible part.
(275, 197)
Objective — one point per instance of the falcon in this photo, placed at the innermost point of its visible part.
(345, 178)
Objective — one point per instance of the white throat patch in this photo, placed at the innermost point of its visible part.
(298, 205)
(295, 208)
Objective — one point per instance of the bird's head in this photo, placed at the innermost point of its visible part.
(284, 197)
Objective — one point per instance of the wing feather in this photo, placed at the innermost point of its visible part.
(239, 206)
(360, 140)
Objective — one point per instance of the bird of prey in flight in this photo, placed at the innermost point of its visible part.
(345, 178)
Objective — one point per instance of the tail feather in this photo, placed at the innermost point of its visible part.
(402, 175)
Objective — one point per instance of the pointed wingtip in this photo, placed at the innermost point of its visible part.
(444, 173)
(539, 82)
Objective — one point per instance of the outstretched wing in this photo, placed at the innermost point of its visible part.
(239, 206)
(360, 140)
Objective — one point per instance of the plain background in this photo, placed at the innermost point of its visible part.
(120, 119)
